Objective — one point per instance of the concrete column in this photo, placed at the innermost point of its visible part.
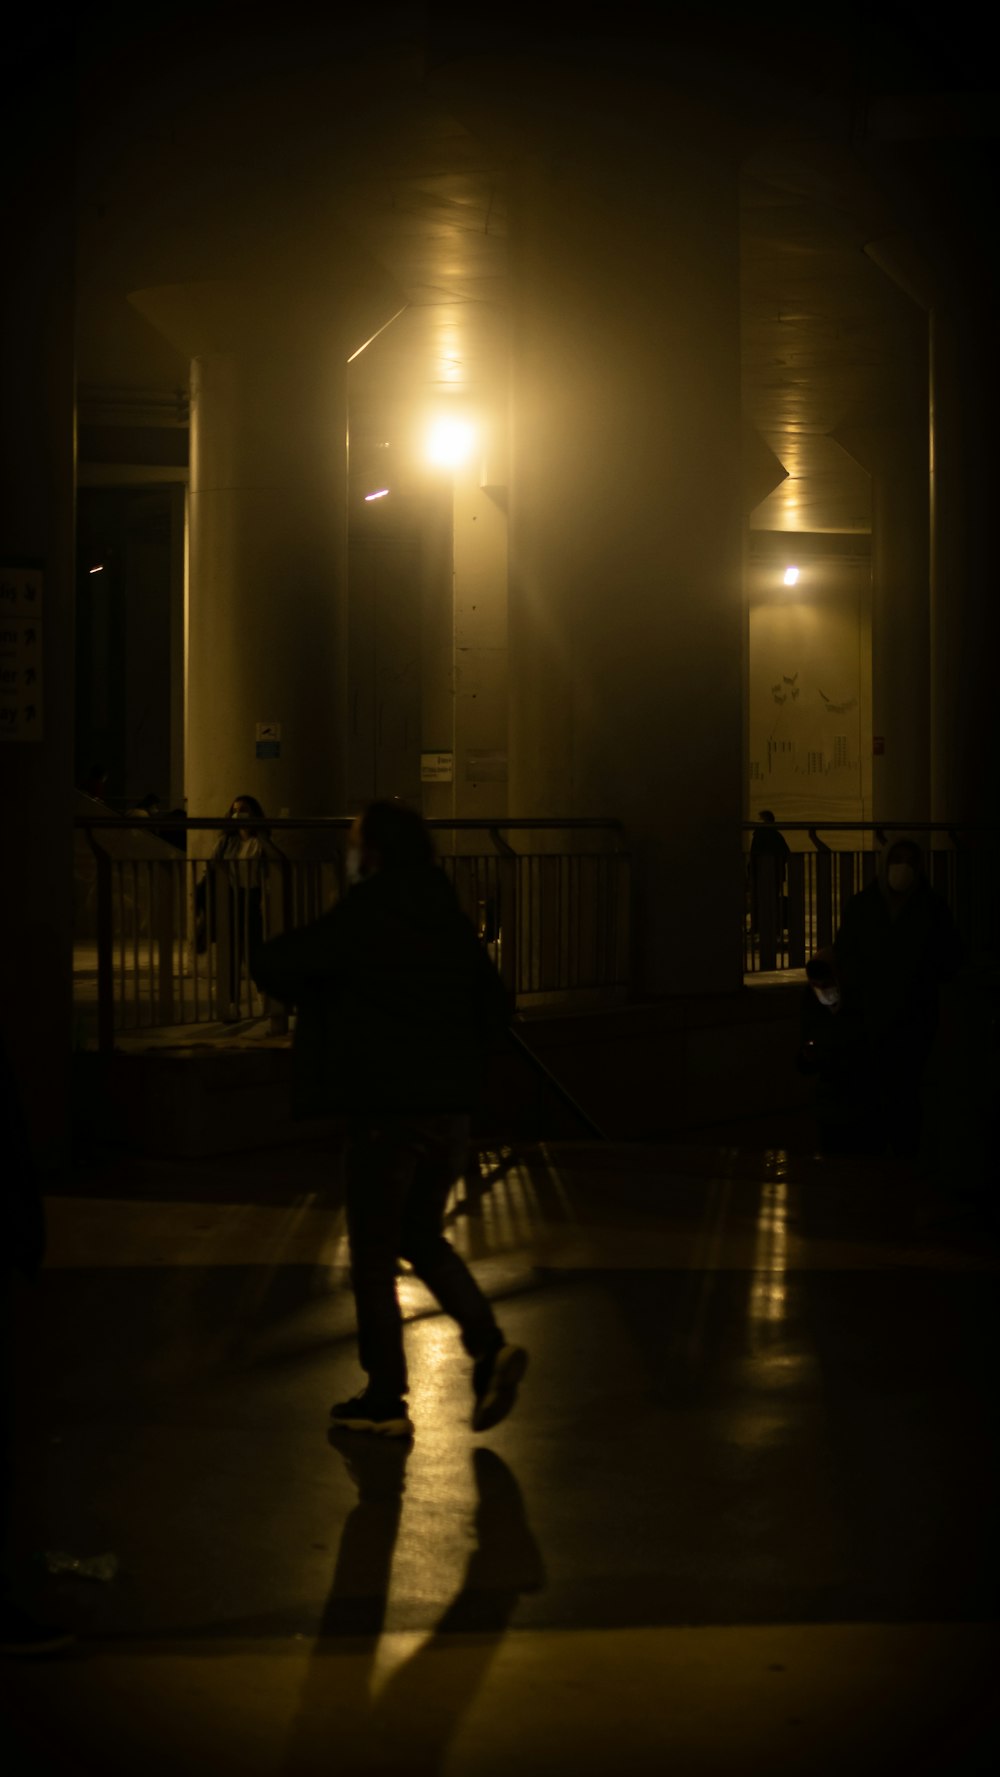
(480, 629)
(37, 452)
(267, 600)
(762, 472)
(626, 528)
(897, 459)
(965, 610)
(947, 263)
(437, 647)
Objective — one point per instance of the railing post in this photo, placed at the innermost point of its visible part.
(223, 899)
(824, 891)
(508, 912)
(161, 926)
(274, 907)
(845, 882)
(796, 866)
(766, 892)
(105, 953)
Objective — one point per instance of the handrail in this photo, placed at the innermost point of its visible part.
(173, 928)
(875, 826)
(556, 1085)
(460, 823)
(488, 823)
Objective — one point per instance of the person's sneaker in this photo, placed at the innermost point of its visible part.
(21, 1636)
(495, 1382)
(368, 1412)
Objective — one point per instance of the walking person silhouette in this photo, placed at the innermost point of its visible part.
(398, 1006)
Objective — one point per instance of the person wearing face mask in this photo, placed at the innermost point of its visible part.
(398, 1007)
(896, 948)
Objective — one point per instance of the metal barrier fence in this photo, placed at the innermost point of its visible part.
(163, 939)
(794, 908)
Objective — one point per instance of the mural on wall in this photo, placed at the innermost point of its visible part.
(805, 709)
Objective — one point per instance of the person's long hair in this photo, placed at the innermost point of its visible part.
(256, 813)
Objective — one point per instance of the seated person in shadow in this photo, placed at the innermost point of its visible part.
(896, 948)
(832, 1050)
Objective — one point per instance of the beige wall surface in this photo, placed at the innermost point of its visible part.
(809, 689)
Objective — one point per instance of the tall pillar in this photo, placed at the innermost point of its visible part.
(480, 619)
(464, 630)
(762, 472)
(947, 261)
(267, 604)
(437, 652)
(37, 451)
(965, 609)
(897, 459)
(626, 526)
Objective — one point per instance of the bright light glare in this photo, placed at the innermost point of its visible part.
(379, 494)
(99, 568)
(449, 442)
(791, 575)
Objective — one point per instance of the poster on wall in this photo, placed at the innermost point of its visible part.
(21, 654)
(437, 768)
(267, 740)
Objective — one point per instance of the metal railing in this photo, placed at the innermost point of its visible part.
(163, 939)
(794, 908)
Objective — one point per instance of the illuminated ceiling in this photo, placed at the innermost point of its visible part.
(289, 143)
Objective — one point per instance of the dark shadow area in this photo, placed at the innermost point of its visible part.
(408, 1721)
(810, 1446)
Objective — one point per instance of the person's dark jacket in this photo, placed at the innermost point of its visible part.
(398, 1004)
(831, 1047)
(767, 842)
(892, 960)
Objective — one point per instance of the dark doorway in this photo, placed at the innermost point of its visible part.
(129, 700)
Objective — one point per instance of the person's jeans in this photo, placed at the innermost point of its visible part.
(399, 1173)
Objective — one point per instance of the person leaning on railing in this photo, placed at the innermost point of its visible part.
(243, 855)
(769, 852)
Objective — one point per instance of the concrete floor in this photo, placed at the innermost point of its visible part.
(742, 1519)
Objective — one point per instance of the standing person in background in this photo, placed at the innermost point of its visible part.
(398, 1006)
(896, 948)
(243, 854)
(768, 865)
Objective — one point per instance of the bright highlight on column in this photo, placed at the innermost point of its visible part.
(449, 442)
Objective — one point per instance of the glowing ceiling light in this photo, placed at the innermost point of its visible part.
(99, 568)
(791, 575)
(449, 442)
(379, 494)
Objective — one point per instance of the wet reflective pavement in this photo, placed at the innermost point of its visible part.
(742, 1517)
